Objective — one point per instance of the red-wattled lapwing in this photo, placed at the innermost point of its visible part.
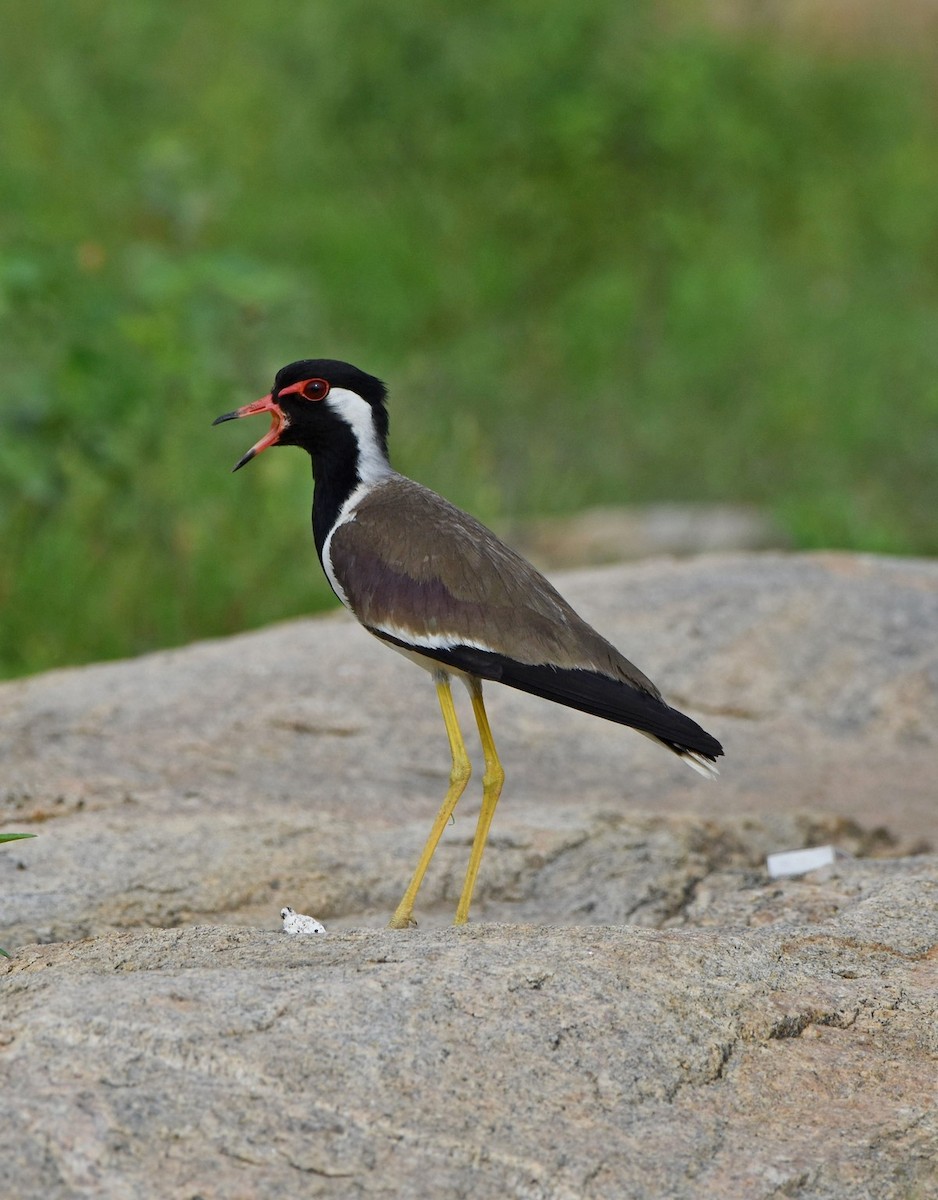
(433, 583)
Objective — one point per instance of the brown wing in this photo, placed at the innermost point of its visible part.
(415, 566)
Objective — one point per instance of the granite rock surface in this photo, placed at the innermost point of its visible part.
(636, 1010)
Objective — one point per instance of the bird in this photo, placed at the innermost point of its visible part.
(435, 584)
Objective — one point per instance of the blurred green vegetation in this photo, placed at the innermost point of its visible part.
(600, 257)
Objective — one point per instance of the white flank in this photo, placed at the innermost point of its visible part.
(432, 641)
(421, 660)
(413, 642)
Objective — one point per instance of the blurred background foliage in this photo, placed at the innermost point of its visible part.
(604, 253)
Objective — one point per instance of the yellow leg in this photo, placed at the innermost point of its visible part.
(459, 777)
(492, 782)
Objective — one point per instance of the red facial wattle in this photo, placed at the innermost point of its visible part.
(309, 389)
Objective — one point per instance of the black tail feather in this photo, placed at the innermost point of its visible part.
(597, 694)
(588, 691)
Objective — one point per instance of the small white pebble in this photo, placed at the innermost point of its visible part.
(798, 862)
(296, 923)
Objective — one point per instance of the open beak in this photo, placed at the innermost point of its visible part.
(278, 423)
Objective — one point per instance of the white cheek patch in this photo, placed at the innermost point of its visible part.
(357, 414)
(373, 466)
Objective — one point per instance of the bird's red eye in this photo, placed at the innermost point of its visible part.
(315, 389)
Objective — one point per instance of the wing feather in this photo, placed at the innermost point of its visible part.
(473, 591)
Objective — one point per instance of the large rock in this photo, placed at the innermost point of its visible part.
(491, 1062)
(756, 1038)
(621, 534)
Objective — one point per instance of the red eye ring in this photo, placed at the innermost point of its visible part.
(315, 389)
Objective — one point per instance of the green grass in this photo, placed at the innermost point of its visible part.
(599, 259)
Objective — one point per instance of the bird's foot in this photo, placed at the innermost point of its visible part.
(402, 920)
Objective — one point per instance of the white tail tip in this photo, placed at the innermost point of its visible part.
(703, 766)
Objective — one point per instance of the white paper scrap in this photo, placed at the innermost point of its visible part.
(797, 862)
(296, 923)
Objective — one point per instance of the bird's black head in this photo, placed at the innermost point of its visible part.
(337, 374)
(316, 403)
